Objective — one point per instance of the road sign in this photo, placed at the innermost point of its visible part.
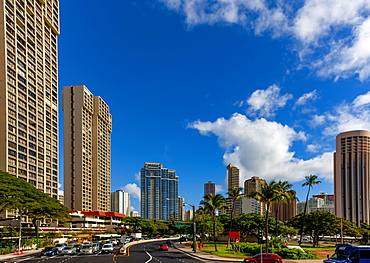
(182, 225)
(237, 241)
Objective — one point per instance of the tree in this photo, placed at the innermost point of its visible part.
(268, 194)
(319, 224)
(17, 194)
(250, 223)
(285, 195)
(214, 203)
(235, 194)
(310, 182)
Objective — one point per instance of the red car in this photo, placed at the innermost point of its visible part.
(266, 258)
(163, 247)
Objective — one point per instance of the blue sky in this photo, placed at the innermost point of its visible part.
(197, 84)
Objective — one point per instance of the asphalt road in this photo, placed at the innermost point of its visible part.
(140, 253)
(95, 258)
(148, 252)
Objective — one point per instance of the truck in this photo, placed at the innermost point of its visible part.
(350, 254)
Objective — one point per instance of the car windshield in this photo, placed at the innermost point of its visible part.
(48, 248)
(60, 245)
(87, 247)
(66, 248)
(340, 256)
(107, 245)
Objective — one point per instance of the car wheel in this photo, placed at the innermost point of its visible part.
(275, 261)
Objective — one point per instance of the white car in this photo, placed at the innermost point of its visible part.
(69, 250)
(107, 248)
(87, 249)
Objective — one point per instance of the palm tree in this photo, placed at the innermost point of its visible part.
(235, 195)
(202, 213)
(310, 182)
(267, 195)
(214, 203)
(286, 195)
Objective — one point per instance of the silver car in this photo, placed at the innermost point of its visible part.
(69, 250)
(87, 249)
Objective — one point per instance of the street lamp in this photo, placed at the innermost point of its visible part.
(194, 228)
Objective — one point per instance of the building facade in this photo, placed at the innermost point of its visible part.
(209, 188)
(351, 176)
(232, 181)
(87, 129)
(29, 92)
(120, 202)
(250, 205)
(284, 211)
(159, 192)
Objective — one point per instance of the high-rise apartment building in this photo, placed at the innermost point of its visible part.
(181, 204)
(351, 176)
(284, 211)
(159, 192)
(120, 202)
(29, 91)
(87, 129)
(210, 188)
(232, 176)
(250, 205)
(232, 181)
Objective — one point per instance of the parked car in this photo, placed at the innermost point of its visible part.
(95, 247)
(60, 247)
(107, 248)
(87, 249)
(163, 247)
(69, 250)
(266, 258)
(78, 247)
(49, 251)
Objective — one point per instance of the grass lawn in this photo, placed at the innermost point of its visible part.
(222, 250)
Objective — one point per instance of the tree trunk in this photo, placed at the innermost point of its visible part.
(304, 215)
(267, 227)
(214, 230)
(231, 222)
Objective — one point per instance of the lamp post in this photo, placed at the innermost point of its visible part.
(194, 228)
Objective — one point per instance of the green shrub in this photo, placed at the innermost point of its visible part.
(293, 253)
(5, 250)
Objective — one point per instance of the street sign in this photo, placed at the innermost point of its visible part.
(237, 241)
(182, 225)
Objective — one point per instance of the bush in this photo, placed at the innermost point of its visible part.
(5, 250)
(293, 253)
(250, 248)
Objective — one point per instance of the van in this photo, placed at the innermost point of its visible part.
(350, 254)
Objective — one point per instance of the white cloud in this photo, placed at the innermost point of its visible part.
(313, 148)
(362, 100)
(346, 117)
(266, 102)
(331, 36)
(306, 97)
(219, 189)
(137, 176)
(262, 148)
(132, 189)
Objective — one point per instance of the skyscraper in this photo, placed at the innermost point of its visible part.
(29, 92)
(232, 181)
(250, 205)
(120, 202)
(232, 176)
(351, 176)
(210, 188)
(87, 128)
(159, 192)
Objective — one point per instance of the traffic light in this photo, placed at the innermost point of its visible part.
(136, 220)
(155, 220)
(173, 221)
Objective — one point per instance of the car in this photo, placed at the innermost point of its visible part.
(60, 247)
(78, 247)
(107, 248)
(96, 247)
(163, 247)
(266, 258)
(169, 242)
(69, 250)
(87, 249)
(49, 251)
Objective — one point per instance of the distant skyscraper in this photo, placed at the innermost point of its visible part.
(285, 211)
(120, 202)
(87, 128)
(210, 188)
(159, 192)
(250, 205)
(233, 181)
(352, 176)
(232, 176)
(181, 203)
(29, 92)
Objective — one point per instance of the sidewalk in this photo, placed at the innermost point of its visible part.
(207, 256)
(25, 253)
